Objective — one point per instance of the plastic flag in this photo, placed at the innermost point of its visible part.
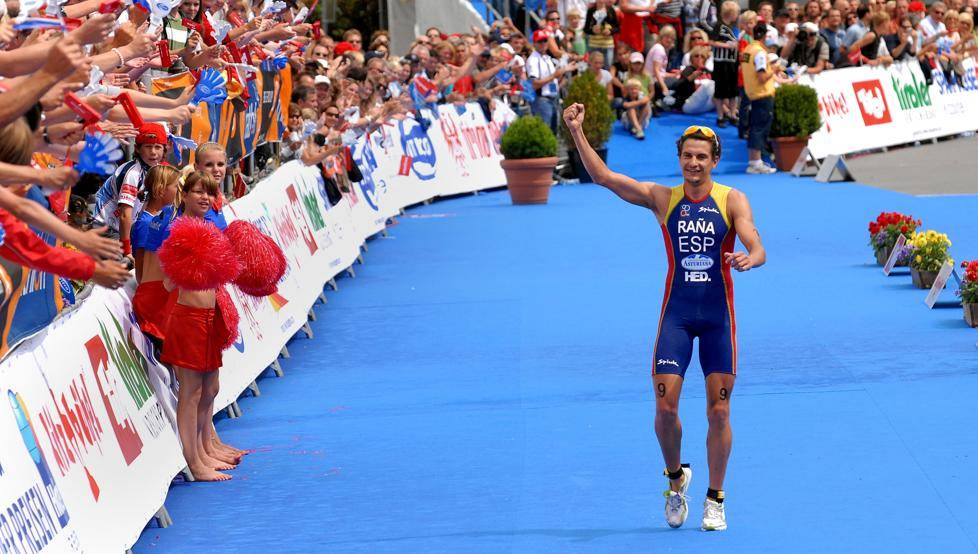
(31, 23)
(527, 90)
(221, 28)
(272, 8)
(180, 143)
(99, 155)
(211, 88)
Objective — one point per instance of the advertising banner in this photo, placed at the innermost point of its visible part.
(871, 107)
(79, 398)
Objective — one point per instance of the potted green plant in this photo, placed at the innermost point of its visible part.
(928, 252)
(530, 151)
(796, 117)
(598, 119)
(969, 292)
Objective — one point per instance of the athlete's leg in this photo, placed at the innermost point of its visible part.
(719, 439)
(673, 350)
(668, 428)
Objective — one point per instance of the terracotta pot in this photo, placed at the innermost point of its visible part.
(971, 314)
(529, 181)
(787, 150)
(922, 279)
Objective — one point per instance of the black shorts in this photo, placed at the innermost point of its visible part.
(725, 80)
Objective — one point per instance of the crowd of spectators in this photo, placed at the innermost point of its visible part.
(689, 55)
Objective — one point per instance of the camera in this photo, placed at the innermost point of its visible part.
(802, 35)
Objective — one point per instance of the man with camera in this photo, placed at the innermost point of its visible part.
(806, 47)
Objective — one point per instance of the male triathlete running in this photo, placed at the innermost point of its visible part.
(700, 220)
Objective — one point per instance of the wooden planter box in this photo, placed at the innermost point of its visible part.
(971, 314)
(883, 254)
(923, 279)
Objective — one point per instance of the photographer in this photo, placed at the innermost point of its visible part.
(807, 48)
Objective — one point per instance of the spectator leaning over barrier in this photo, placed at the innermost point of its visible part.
(873, 50)
(600, 26)
(807, 49)
(902, 45)
(545, 74)
(724, 42)
(834, 35)
(858, 29)
(759, 85)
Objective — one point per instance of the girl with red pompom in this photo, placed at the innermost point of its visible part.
(211, 158)
(198, 261)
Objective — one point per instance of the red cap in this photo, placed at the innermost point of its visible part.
(342, 48)
(151, 133)
(540, 35)
(917, 6)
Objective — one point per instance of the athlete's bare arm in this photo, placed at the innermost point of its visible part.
(650, 195)
(738, 208)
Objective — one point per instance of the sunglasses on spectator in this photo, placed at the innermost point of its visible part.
(938, 12)
(553, 19)
(332, 114)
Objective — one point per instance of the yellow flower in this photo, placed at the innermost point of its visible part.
(919, 258)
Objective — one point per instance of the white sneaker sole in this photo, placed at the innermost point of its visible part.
(717, 528)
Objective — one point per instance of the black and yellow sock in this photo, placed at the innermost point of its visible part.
(715, 495)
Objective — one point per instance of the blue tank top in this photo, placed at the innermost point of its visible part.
(697, 233)
(149, 231)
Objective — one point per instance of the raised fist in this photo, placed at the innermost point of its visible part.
(574, 117)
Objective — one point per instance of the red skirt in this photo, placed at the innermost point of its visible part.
(152, 304)
(195, 338)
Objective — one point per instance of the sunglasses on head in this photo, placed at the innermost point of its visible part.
(701, 130)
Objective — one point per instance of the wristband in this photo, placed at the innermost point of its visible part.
(126, 247)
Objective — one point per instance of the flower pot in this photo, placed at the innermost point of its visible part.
(971, 314)
(529, 181)
(579, 171)
(787, 150)
(922, 279)
(883, 254)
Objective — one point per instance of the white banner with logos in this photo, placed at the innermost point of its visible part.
(871, 107)
(89, 450)
(88, 417)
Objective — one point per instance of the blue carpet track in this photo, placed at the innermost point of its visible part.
(484, 385)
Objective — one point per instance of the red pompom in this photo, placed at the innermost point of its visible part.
(196, 256)
(263, 262)
(230, 316)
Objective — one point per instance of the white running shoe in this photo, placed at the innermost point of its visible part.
(760, 169)
(714, 518)
(677, 507)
